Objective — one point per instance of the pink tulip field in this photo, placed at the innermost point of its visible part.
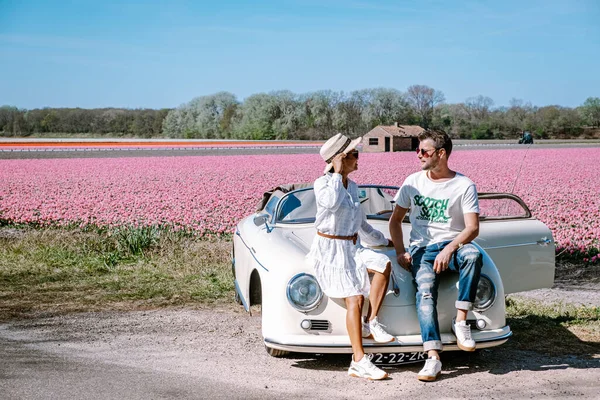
(208, 195)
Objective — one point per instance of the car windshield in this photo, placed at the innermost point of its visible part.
(300, 206)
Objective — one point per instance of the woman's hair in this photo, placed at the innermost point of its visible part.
(439, 137)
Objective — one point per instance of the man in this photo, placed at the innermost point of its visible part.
(444, 217)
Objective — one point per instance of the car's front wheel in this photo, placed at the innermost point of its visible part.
(276, 352)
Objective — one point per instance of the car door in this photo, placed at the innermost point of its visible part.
(522, 247)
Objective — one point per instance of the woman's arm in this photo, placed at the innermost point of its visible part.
(330, 193)
(369, 235)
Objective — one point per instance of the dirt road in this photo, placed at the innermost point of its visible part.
(213, 353)
(33, 152)
(218, 353)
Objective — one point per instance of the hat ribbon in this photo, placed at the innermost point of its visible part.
(339, 151)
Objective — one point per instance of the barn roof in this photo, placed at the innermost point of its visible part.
(402, 130)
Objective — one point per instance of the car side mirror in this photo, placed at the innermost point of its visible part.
(261, 219)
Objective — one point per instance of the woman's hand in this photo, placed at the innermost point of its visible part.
(338, 165)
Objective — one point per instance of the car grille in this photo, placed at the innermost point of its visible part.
(319, 325)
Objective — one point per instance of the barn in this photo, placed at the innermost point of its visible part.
(396, 137)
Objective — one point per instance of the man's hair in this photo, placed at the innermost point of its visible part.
(439, 138)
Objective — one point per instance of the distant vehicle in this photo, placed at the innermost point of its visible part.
(269, 268)
(526, 138)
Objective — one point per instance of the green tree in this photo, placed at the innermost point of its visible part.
(202, 117)
(319, 113)
(256, 116)
(591, 111)
(479, 108)
(568, 122)
(385, 107)
(348, 113)
(289, 114)
(13, 121)
(423, 100)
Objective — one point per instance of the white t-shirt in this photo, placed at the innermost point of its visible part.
(437, 208)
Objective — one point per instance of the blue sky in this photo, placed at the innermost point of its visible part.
(162, 54)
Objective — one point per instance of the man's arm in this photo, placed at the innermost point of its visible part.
(465, 236)
(402, 256)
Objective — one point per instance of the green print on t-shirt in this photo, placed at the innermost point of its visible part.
(433, 210)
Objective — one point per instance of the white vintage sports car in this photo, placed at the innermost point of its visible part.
(269, 268)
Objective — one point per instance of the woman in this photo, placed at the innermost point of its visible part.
(342, 265)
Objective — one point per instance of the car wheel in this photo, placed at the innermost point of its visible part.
(255, 289)
(276, 352)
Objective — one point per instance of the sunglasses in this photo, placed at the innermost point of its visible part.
(354, 154)
(425, 153)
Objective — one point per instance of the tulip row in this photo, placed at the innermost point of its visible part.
(208, 195)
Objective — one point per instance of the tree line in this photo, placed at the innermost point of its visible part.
(315, 115)
(145, 123)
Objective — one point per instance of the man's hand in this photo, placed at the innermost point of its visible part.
(442, 261)
(404, 260)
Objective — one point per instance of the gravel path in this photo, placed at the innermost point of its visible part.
(220, 351)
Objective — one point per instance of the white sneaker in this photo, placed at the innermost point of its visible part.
(379, 334)
(431, 371)
(462, 331)
(366, 331)
(365, 369)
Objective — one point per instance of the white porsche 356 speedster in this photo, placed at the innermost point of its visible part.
(269, 268)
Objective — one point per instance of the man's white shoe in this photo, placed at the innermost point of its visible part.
(431, 371)
(365, 369)
(379, 334)
(462, 331)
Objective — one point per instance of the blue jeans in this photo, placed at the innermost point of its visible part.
(467, 261)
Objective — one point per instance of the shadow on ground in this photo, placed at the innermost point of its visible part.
(539, 344)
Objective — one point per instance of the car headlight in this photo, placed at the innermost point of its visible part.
(304, 292)
(486, 294)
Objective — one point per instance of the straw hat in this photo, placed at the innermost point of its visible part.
(336, 145)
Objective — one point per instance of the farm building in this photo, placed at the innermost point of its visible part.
(391, 138)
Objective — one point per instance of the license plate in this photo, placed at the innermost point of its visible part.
(398, 358)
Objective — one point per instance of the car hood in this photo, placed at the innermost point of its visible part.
(401, 290)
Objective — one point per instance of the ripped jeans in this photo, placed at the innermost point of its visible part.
(467, 261)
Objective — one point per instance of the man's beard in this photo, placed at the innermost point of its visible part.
(429, 166)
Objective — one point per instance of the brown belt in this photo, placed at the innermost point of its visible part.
(353, 237)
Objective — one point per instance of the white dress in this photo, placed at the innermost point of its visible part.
(340, 265)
